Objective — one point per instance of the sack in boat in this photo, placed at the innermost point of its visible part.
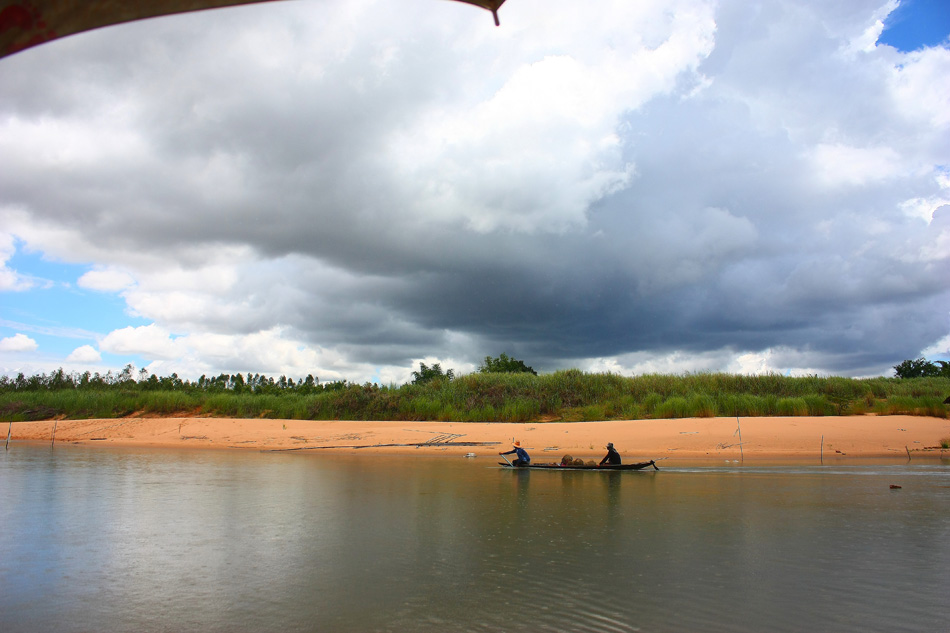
(567, 460)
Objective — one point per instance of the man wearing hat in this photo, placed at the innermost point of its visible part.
(612, 457)
(523, 459)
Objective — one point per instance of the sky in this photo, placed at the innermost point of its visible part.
(349, 189)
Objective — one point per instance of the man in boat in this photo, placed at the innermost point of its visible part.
(612, 457)
(523, 459)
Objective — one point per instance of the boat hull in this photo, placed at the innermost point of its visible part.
(604, 468)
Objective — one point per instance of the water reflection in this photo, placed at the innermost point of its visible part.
(119, 540)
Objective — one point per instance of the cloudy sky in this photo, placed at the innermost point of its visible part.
(349, 188)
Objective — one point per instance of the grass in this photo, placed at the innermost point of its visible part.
(569, 395)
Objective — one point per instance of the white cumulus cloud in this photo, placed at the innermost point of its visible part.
(10, 280)
(18, 343)
(84, 354)
(151, 341)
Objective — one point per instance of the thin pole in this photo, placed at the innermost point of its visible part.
(822, 454)
(739, 427)
(9, 429)
(53, 438)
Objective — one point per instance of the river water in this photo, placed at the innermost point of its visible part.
(104, 539)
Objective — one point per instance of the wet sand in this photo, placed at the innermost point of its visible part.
(791, 438)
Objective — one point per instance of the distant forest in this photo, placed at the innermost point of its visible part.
(502, 390)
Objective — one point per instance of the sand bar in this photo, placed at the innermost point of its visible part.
(795, 438)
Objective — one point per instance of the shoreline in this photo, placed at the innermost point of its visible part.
(762, 438)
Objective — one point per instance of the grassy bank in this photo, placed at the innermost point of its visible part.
(565, 395)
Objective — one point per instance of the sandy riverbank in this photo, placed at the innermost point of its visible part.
(798, 438)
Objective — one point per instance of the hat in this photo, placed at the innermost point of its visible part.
(517, 443)
(610, 444)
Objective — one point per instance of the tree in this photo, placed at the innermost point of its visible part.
(126, 373)
(505, 365)
(428, 374)
(922, 368)
(308, 385)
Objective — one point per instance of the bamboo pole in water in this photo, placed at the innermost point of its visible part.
(822, 453)
(739, 429)
(53, 438)
(9, 429)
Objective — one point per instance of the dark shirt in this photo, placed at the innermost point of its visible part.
(612, 457)
(522, 454)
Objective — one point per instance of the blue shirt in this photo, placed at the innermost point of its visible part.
(522, 454)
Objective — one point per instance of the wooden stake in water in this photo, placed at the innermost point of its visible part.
(53, 438)
(9, 428)
(822, 452)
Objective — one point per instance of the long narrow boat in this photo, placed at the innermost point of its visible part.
(605, 467)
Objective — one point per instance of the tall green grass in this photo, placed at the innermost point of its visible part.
(569, 395)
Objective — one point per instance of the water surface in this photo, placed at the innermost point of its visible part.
(101, 539)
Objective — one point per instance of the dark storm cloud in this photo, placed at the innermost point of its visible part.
(417, 188)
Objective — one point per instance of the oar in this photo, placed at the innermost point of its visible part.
(506, 459)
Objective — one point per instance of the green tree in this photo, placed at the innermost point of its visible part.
(505, 365)
(126, 374)
(428, 374)
(922, 368)
(308, 385)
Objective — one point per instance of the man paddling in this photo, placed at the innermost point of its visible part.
(523, 459)
(612, 457)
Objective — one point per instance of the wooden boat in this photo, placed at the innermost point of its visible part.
(605, 467)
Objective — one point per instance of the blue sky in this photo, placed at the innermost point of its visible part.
(665, 186)
(917, 23)
(59, 315)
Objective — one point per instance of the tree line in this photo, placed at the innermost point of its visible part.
(129, 379)
(238, 383)
(126, 379)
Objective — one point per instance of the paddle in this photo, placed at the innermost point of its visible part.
(506, 459)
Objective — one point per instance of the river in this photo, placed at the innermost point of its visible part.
(105, 539)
